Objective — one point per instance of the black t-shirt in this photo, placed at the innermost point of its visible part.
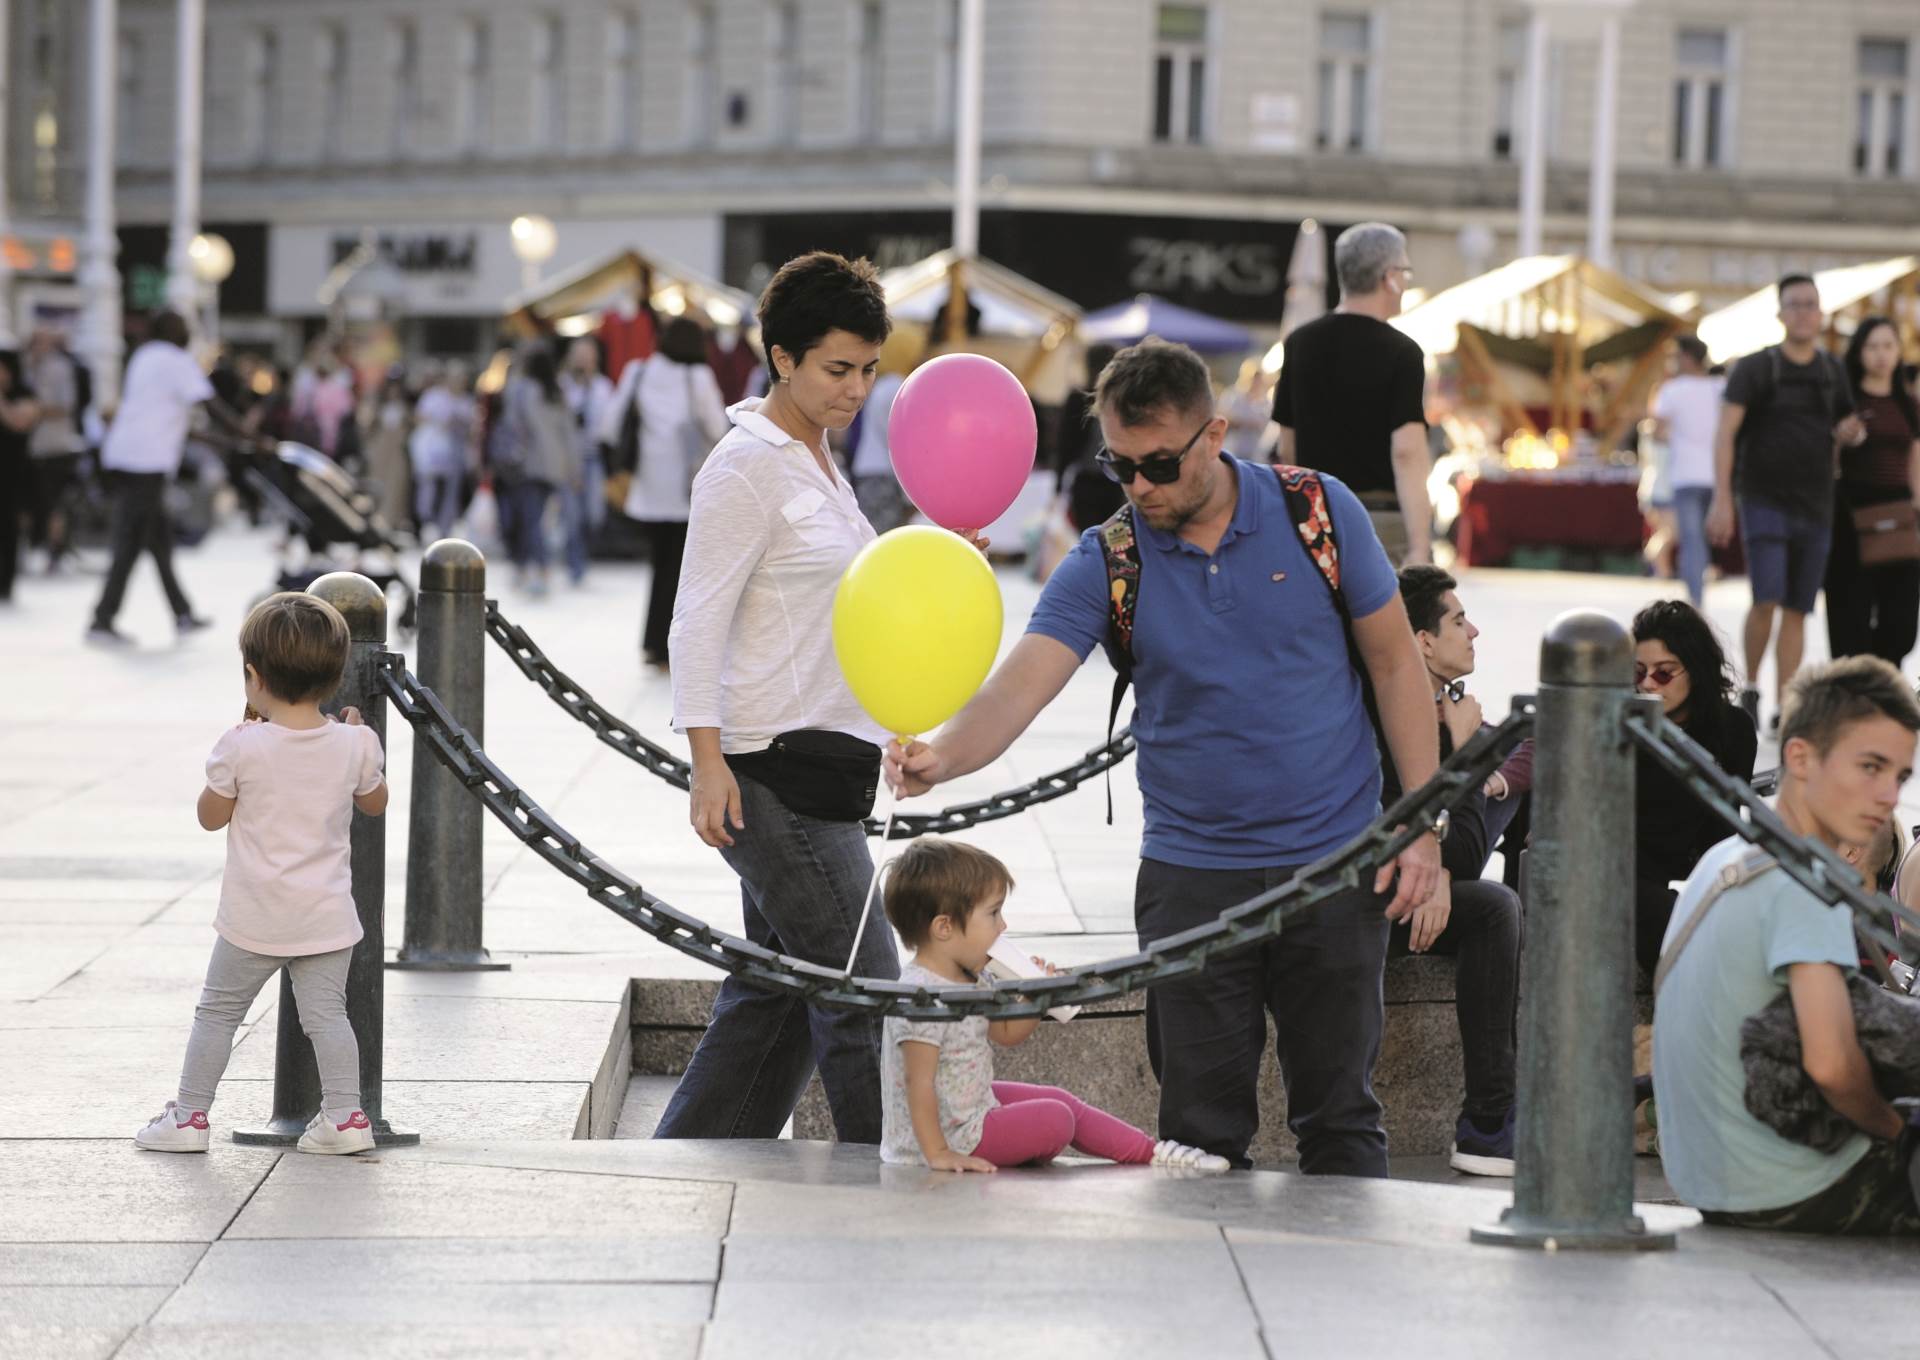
(1348, 383)
(1784, 451)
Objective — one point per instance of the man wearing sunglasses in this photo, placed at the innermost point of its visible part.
(1255, 758)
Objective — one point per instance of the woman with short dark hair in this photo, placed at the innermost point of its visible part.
(785, 761)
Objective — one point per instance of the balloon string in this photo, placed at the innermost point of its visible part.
(866, 908)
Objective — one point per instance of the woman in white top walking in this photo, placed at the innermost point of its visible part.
(669, 406)
(785, 762)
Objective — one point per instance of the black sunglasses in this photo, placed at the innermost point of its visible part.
(1160, 469)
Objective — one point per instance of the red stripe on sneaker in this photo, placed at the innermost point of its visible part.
(356, 1120)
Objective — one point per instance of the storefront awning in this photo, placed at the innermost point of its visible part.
(1533, 297)
(1009, 304)
(1753, 323)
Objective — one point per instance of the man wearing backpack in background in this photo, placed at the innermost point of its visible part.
(1255, 753)
(1783, 410)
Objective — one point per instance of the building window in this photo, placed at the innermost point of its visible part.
(623, 80)
(128, 111)
(1509, 86)
(331, 62)
(1180, 74)
(1880, 128)
(783, 61)
(405, 55)
(549, 90)
(702, 95)
(476, 73)
(1702, 98)
(869, 33)
(1346, 82)
(262, 86)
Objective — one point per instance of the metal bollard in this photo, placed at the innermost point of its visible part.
(1573, 1153)
(442, 932)
(296, 1078)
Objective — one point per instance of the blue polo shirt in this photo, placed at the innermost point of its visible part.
(1255, 749)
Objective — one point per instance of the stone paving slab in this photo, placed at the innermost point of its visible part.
(552, 1340)
(72, 1321)
(98, 1263)
(393, 1195)
(96, 1190)
(987, 1327)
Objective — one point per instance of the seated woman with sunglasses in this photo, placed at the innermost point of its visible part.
(1677, 656)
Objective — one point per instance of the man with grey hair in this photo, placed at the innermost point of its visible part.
(1351, 395)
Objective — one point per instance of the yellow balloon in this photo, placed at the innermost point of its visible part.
(916, 625)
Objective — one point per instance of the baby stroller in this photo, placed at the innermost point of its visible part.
(332, 521)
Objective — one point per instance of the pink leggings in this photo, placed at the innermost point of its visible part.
(1037, 1123)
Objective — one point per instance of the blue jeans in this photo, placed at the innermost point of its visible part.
(529, 533)
(1690, 516)
(802, 882)
(1322, 983)
(574, 516)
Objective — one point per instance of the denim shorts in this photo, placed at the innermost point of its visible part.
(1786, 554)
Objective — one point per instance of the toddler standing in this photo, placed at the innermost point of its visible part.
(941, 1106)
(284, 783)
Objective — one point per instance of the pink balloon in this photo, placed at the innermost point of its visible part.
(963, 437)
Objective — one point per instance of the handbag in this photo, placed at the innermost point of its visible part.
(1888, 532)
(816, 772)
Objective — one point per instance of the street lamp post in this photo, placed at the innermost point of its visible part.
(534, 241)
(211, 259)
(100, 340)
(183, 285)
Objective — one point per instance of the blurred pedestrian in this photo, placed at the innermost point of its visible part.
(536, 442)
(58, 380)
(882, 499)
(384, 417)
(1873, 606)
(589, 393)
(19, 413)
(668, 409)
(142, 453)
(1685, 415)
(437, 451)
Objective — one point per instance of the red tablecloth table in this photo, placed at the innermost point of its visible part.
(1498, 516)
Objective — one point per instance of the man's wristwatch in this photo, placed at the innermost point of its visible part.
(1442, 823)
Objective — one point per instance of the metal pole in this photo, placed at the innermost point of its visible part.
(1573, 1162)
(443, 928)
(7, 339)
(296, 1081)
(100, 342)
(1600, 178)
(1533, 162)
(966, 132)
(183, 289)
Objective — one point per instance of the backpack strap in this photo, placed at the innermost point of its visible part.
(1307, 507)
(1745, 869)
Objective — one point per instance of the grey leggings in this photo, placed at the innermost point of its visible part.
(234, 978)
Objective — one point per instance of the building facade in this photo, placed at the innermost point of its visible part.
(1129, 145)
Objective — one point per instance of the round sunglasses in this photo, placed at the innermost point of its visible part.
(1160, 469)
(1662, 675)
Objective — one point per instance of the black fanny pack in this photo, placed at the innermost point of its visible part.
(817, 773)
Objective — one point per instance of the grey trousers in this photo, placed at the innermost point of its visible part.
(234, 978)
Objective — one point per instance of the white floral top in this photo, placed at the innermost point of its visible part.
(963, 1082)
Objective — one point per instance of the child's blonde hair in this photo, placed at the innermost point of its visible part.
(297, 644)
(932, 878)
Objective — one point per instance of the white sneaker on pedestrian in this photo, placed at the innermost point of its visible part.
(323, 1135)
(1166, 1152)
(175, 1130)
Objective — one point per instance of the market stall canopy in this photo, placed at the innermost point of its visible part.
(590, 288)
(1753, 323)
(1131, 322)
(1033, 331)
(1544, 295)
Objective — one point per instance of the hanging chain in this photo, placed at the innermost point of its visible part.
(1239, 928)
(610, 728)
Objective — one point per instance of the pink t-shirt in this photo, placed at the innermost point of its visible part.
(288, 887)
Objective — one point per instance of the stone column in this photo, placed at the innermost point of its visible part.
(966, 132)
(99, 342)
(183, 289)
(1600, 182)
(1533, 155)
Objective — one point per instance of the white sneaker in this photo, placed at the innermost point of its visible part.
(1166, 1152)
(325, 1136)
(175, 1130)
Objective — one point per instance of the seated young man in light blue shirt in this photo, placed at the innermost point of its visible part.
(1847, 745)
